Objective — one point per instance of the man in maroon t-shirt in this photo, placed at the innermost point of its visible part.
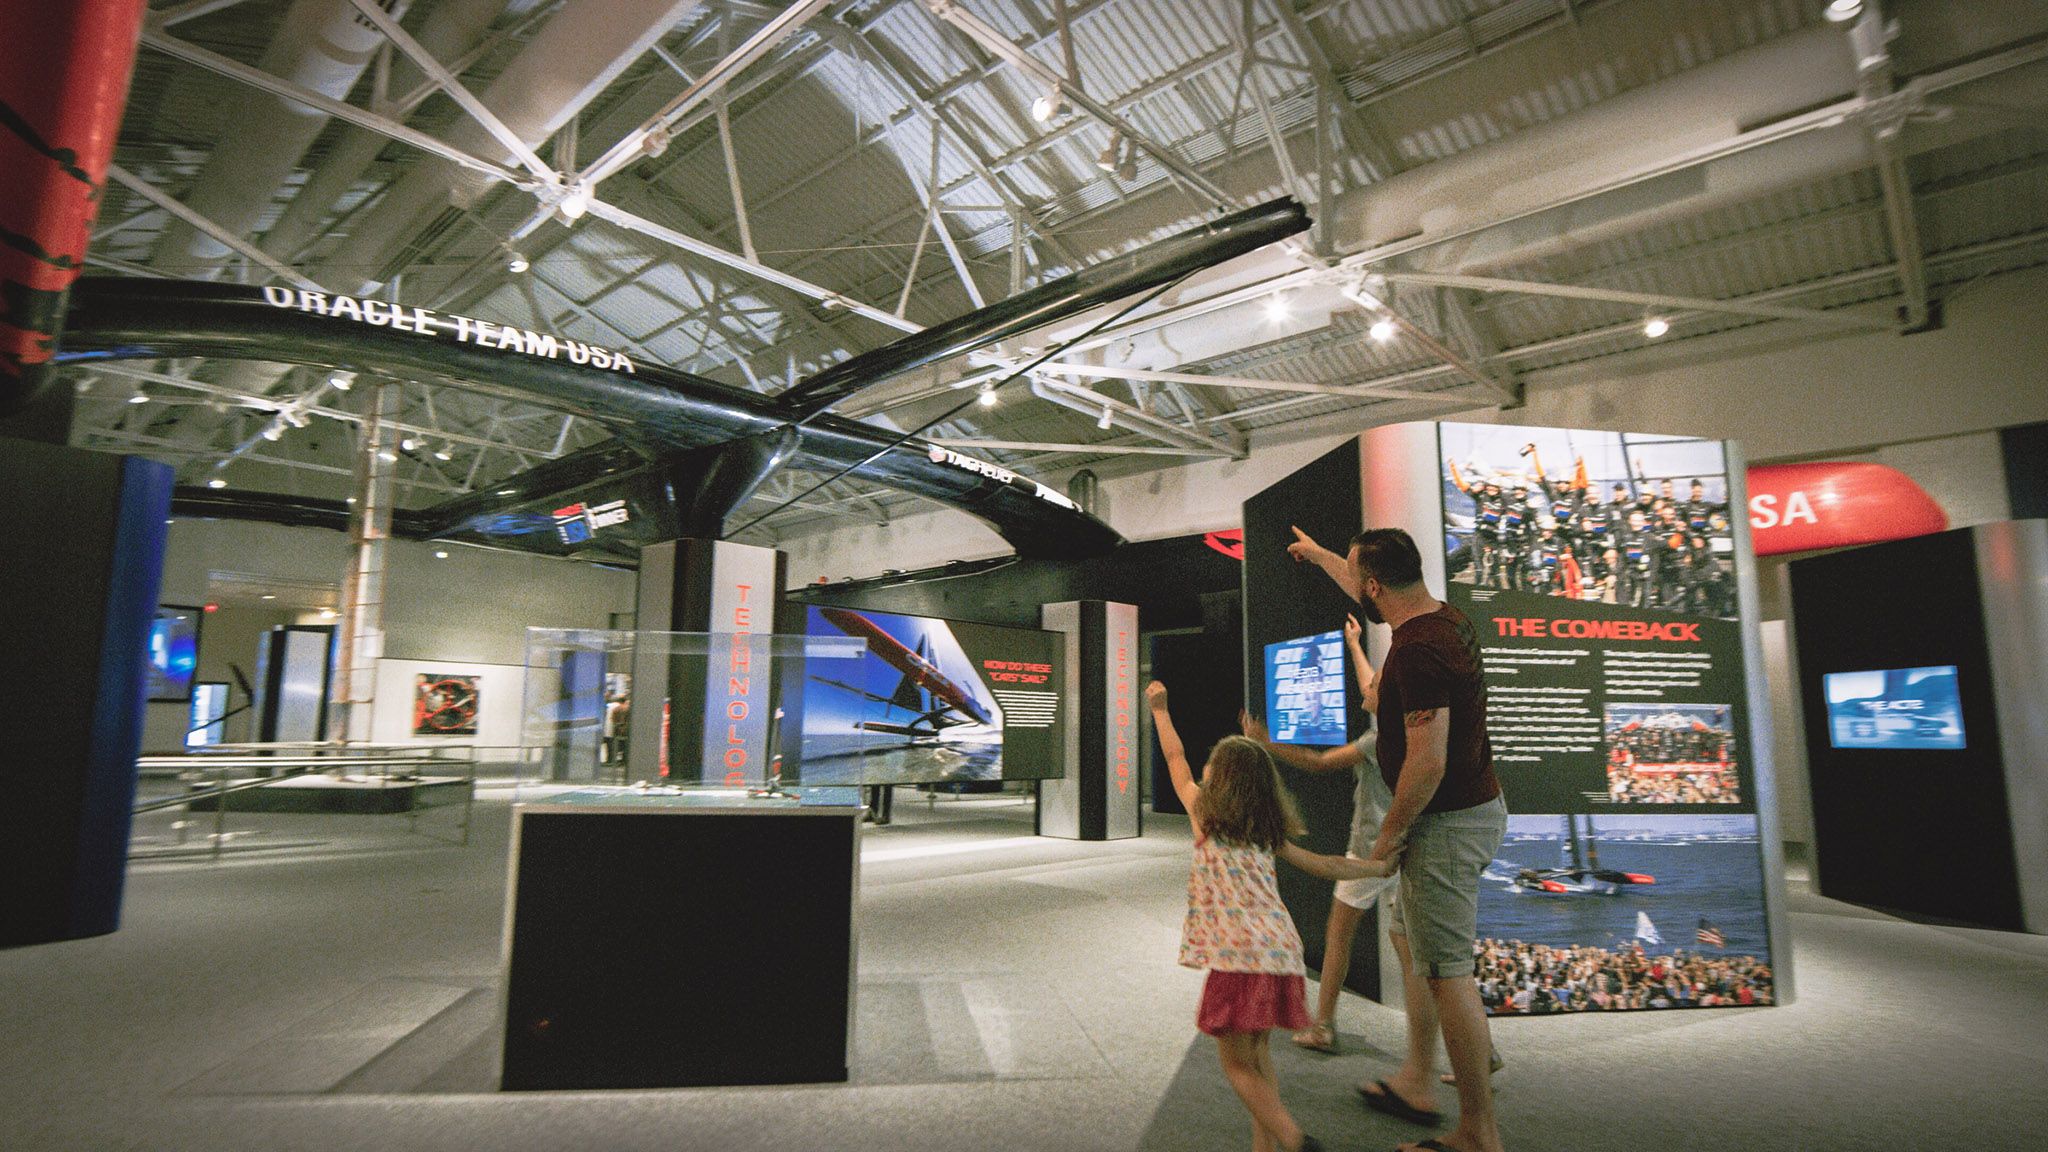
(1446, 822)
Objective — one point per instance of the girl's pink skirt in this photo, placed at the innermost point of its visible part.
(1252, 1002)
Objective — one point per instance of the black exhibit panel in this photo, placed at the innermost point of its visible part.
(1284, 600)
(1924, 830)
(78, 585)
(672, 947)
(1203, 675)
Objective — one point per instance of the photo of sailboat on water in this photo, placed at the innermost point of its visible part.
(1620, 912)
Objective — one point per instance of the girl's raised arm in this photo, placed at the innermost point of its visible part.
(1184, 785)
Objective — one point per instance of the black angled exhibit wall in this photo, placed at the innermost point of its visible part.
(1920, 665)
(78, 586)
(1284, 600)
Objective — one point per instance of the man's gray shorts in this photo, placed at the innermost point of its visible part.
(1437, 903)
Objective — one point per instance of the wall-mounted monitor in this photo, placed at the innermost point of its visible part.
(935, 701)
(173, 652)
(1895, 708)
(1305, 690)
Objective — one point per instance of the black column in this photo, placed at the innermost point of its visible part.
(79, 568)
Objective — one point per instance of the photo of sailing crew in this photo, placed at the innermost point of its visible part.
(1671, 754)
(1605, 517)
(1623, 912)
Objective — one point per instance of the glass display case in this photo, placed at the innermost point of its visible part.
(718, 715)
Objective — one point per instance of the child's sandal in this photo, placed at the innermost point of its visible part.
(1319, 1037)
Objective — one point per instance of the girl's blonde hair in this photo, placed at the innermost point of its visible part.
(1243, 800)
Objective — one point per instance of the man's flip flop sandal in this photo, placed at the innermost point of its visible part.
(1389, 1102)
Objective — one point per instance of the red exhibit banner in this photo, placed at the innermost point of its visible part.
(1801, 507)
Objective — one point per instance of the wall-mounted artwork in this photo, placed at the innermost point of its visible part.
(444, 704)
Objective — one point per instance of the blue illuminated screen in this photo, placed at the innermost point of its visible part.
(1894, 708)
(173, 653)
(1305, 690)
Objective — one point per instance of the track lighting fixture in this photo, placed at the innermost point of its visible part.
(1107, 160)
(1049, 105)
(1656, 326)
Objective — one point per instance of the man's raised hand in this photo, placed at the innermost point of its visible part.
(1303, 548)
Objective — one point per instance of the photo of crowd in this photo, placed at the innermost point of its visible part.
(1518, 978)
(1603, 517)
(1671, 754)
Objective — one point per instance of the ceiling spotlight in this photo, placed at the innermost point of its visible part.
(1277, 309)
(1382, 330)
(516, 263)
(987, 399)
(1107, 159)
(274, 430)
(342, 381)
(409, 444)
(270, 595)
(1102, 421)
(1656, 326)
(388, 456)
(654, 143)
(327, 613)
(351, 499)
(445, 452)
(1843, 11)
(574, 203)
(1048, 106)
(441, 554)
(139, 398)
(216, 482)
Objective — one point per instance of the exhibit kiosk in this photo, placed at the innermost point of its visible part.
(1921, 674)
(699, 927)
(1612, 594)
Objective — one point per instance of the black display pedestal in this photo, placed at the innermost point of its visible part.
(676, 941)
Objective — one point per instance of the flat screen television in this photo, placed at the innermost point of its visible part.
(1305, 690)
(173, 652)
(1894, 708)
(934, 701)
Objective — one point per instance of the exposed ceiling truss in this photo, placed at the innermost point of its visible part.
(770, 188)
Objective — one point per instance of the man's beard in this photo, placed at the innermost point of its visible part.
(1372, 610)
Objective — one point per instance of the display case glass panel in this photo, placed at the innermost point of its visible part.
(686, 710)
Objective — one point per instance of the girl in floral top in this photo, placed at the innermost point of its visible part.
(1236, 927)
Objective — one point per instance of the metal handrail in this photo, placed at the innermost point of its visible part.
(290, 766)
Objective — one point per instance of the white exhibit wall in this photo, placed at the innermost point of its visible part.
(498, 693)
(470, 609)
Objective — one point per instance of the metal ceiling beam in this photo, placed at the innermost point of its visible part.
(165, 201)
(154, 36)
(273, 404)
(1594, 337)
(999, 45)
(1207, 381)
(1737, 307)
(456, 90)
(1867, 39)
(1063, 449)
(714, 78)
(619, 217)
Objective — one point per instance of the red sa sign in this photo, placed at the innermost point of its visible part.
(1800, 507)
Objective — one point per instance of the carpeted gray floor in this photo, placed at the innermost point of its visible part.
(338, 991)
